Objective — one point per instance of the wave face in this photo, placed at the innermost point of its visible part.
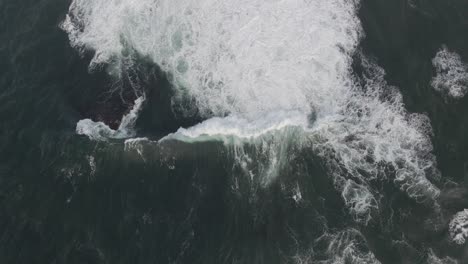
(275, 75)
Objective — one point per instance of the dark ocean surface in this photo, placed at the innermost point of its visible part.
(65, 198)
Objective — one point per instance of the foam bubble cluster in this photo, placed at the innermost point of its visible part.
(458, 227)
(452, 74)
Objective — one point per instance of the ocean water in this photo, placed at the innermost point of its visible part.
(260, 131)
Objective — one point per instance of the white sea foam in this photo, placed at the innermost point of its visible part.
(452, 74)
(370, 133)
(434, 259)
(136, 144)
(239, 57)
(274, 74)
(360, 200)
(92, 166)
(101, 132)
(458, 227)
(240, 127)
(347, 247)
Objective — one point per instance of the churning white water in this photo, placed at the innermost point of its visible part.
(243, 58)
(274, 73)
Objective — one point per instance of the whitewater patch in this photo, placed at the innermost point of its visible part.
(240, 127)
(101, 132)
(458, 227)
(244, 57)
(271, 78)
(451, 74)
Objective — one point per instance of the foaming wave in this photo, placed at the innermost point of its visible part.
(101, 132)
(240, 127)
(242, 57)
(272, 78)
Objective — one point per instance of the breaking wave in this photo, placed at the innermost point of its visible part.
(276, 75)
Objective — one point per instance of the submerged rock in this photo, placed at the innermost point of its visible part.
(111, 110)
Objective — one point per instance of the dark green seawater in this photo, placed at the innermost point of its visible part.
(67, 199)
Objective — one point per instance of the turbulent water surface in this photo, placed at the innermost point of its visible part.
(249, 131)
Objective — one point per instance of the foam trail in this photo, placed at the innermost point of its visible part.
(275, 75)
(101, 132)
(452, 74)
(348, 246)
(433, 259)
